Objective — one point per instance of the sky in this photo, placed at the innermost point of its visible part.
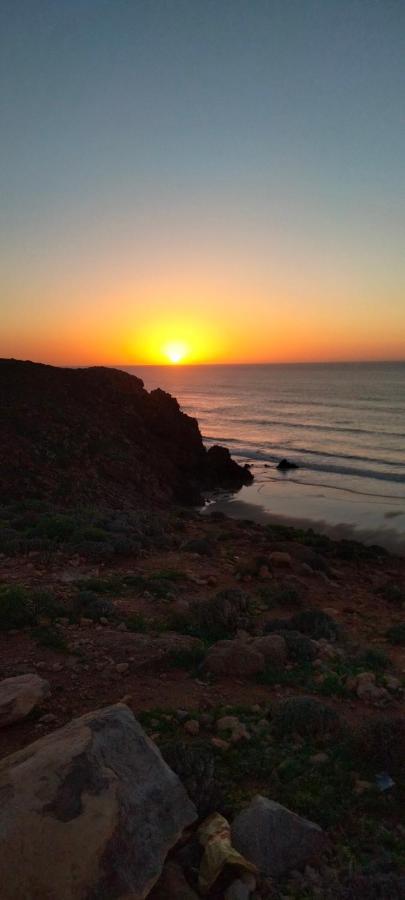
(202, 180)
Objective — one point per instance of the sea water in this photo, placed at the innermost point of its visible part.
(342, 424)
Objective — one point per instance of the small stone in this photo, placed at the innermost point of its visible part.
(122, 667)
(280, 559)
(182, 714)
(122, 627)
(240, 733)
(206, 720)
(392, 683)
(84, 621)
(48, 719)
(192, 727)
(361, 787)
(103, 620)
(227, 723)
(319, 758)
(127, 698)
(220, 744)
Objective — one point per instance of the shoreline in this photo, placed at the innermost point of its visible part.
(389, 539)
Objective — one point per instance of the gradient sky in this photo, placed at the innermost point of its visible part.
(227, 173)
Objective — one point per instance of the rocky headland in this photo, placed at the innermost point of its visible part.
(190, 706)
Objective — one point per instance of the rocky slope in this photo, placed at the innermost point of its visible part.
(257, 659)
(81, 436)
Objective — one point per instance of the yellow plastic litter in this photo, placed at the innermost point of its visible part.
(215, 836)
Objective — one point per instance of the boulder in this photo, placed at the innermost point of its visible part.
(234, 658)
(281, 559)
(285, 465)
(20, 695)
(276, 839)
(273, 647)
(91, 809)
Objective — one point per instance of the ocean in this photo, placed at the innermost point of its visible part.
(342, 424)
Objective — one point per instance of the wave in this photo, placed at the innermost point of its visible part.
(293, 451)
(246, 453)
(313, 427)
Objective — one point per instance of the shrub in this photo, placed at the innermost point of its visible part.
(381, 743)
(373, 658)
(396, 634)
(219, 617)
(194, 764)
(316, 624)
(51, 638)
(279, 595)
(90, 605)
(16, 608)
(300, 647)
(188, 658)
(45, 604)
(305, 716)
(138, 623)
(393, 593)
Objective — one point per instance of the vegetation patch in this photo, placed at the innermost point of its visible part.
(16, 607)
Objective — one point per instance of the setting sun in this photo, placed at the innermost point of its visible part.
(175, 351)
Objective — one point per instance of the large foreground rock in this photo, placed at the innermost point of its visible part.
(19, 695)
(88, 812)
(276, 839)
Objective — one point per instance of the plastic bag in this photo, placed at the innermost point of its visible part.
(215, 836)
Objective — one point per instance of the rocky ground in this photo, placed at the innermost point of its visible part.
(260, 660)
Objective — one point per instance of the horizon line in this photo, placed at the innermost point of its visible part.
(185, 365)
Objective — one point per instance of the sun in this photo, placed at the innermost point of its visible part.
(175, 351)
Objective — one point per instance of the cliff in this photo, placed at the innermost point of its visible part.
(84, 436)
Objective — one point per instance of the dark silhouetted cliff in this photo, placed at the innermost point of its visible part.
(79, 436)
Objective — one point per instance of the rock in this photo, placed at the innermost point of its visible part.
(239, 733)
(172, 885)
(276, 839)
(48, 719)
(392, 683)
(239, 890)
(228, 723)
(121, 668)
(273, 647)
(122, 627)
(319, 758)
(192, 727)
(280, 559)
(219, 743)
(233, 658)
(366, 688)
(91, 809)
(19, 695)
(285, 465)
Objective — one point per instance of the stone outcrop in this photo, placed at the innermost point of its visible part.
(97, 436)
(275, 839)
(19, 696)
(91, 809)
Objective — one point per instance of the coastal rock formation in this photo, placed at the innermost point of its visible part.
(19, 696)
(92, 809)
(97, 436)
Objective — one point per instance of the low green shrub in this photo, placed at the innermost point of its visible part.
(396, 634)
(306, 717)
(16, 607)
